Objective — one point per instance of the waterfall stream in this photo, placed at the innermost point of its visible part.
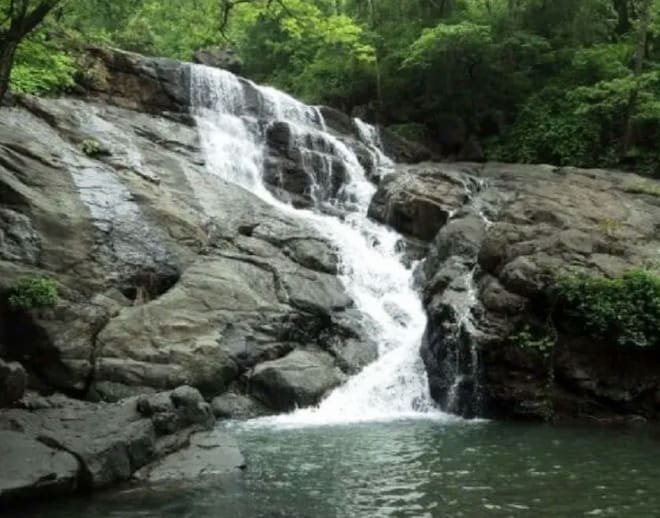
(233, 116)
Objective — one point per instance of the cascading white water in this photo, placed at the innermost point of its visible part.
(370, 136)
(394, 386)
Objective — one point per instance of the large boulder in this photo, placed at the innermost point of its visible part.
(208, 454)
(419, 200)
(299, 379)
(59, 445)
(236, 405)
(137, 82)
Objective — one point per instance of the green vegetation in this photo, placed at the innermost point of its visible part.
(92, 148)
(563, 81)
(33, 292)
(529, 337)
(624, 309)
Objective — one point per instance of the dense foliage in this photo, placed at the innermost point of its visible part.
(33, 292)
(624, 309)
(562, 81)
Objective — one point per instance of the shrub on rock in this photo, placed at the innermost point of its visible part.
(33, 292)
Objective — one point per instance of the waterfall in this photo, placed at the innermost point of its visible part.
(233, 118)
(461, 364)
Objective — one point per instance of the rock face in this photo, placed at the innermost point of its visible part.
(58, 446)
(132, 81)
(13, 381)
(488, 273)
(166, 274)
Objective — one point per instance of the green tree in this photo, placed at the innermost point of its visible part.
(18, 18)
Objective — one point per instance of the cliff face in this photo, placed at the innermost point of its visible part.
(167, 274)
(498, 237)
(170, 281)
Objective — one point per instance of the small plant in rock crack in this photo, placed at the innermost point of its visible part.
(93, 148)
(528, 337)
(33, 292)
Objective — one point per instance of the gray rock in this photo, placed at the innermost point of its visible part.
(13, 381)
(519, 228)
(209, 454)
(32, 470)
(353, 355)
(110, 441)
(299, 379)
(315, 255)
(419, 200)
(18, 239)
(236, 406)
(135, 81)
(304, 167)
(221, 281)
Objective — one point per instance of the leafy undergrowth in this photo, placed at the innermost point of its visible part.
(623, 309)
(33, 292)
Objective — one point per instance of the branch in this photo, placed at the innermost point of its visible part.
(31, 20)
(228, 5)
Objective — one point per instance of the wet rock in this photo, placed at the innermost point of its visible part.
(32, 470)
(93, 445)
(419, 200)
(338, 121)
(208, 454)
(489, 273)
(236, 406)
(13, 381)
(299, 379)
(303, 167)
(352, 355)
(188, 280)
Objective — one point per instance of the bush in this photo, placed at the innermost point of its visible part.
(528, 337)
(625, 309)
(33, 292)
(42, 67)
(92, 148)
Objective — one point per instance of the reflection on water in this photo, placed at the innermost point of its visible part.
(411, 469)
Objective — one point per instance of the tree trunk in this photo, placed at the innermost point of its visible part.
(7, 53)
(640, 54)
(623, 13)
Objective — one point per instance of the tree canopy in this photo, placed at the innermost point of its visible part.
(562, 81)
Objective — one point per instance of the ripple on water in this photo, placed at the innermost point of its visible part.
(410, 469)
